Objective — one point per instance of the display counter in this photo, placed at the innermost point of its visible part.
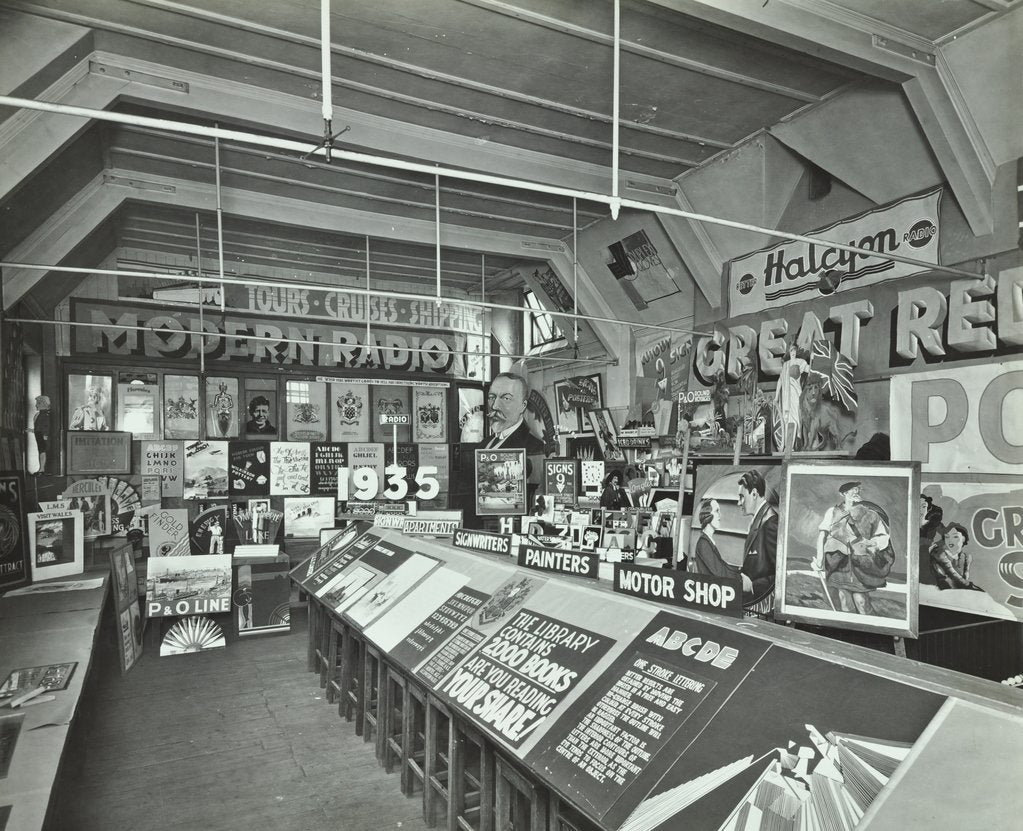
(513, 697)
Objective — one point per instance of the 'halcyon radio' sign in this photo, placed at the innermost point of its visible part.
(177, 335)
(792, 271)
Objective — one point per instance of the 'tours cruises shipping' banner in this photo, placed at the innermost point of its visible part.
(177, 335)
(792, 271)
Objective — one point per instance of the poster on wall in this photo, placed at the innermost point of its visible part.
(255, 522)
(168, 529)
(971, 544)
(367, 456)
(207, 529)
(125, 503)
(304, 516)
(249, 468)
(574, 398)
(792, 271)
(435, 456)
(561, 480)
(181, 407)
(306, 411)
(390, 401)
(164, 459)
(963, 419)
(603, 424)
(408, 458)
(849, 544)
(89, 400)
(350, 412)
(289, 468)
(470, 415)
(56, 544)
(429, 415)
(138, 405)
(261, 412)
(206, 468)
(262, 595)
(92, 498)
(178, 586)
(326, 458)
(501, 482)
(222, 405)
(14, 555)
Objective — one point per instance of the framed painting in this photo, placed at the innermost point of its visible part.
(222, 420)
(261, 412)
(306, 411)
(848, 545)
(138, 405)
(89, 401)
(181, 407)
(501, 482)
(57, 544)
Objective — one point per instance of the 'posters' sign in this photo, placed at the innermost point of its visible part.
(690, 591)
(792, 271)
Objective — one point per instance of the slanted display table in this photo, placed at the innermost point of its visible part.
(512, 698)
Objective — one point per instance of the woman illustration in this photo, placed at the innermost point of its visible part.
(788, 393)
(91, 415)
(706, 557)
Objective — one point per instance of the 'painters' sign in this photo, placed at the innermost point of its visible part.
(792, 271)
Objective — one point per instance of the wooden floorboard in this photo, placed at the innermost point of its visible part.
(238, 738)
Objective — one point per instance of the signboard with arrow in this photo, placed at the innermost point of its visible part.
(561, 480)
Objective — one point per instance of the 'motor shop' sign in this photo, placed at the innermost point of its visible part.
(177, 335)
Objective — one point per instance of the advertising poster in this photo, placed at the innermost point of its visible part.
(125, 596)
(389, 400)
(254, 522)
(165, 459)
(138, 405)
(521, 673)
(971, 544)
(435, 456)
(379, 597)
(89, 402)
(408, 458)
(369, 456)
(222, 408)
(207, 530)
(326, 458)
(304, 516)
(262, 595)
(249, 468)
(603, 425)
(429, 415)
(125, 503)
(573, 398)
(179, 586)
(206, 469)
(14, 559)
(500, 482)
(350, 412)
(470, 415)
(289, 468)
(960, 419)
(92, 498)
(848, 545)
(181, 407)
(561, 480)
(305, 404)
(261, 411)
(56, 544)
(167, 528)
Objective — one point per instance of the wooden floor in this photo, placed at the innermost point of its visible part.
(236, 738)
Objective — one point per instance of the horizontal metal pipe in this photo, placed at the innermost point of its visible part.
(398, 295)
(454, 173)
(206, 334)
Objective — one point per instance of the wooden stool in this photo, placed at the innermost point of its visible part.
(519, 804)
(471, 780)
(413, 739)
(436, 759)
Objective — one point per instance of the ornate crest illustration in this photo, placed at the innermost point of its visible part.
(390, 406)
(309, 413)
(349, 408)
(429, 414)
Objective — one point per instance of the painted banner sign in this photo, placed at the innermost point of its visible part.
(792, 271)
(960, 419)
(705, 592)
(971, 544)
(177, 336)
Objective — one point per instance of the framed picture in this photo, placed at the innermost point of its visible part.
(261, 413)
(603, 425)
(89, 453)
(126, 607)
(56, 544)
(574, 398)
(306, 411)
(222, 419)
(206, 469)
(848, 553)
(177, 586)
(14, 558)
(350, 412)
(181, 407)
(138, 405)
(501, 482)
(89, 400)
(93, 498)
